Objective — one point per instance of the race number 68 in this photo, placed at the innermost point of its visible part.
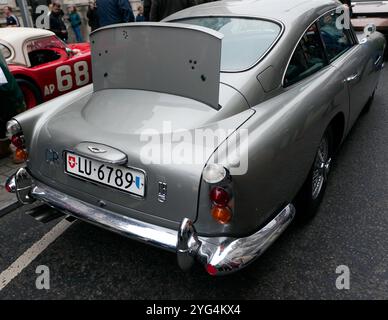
(65, 80)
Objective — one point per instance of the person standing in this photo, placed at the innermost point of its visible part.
(57, 25)
(92, 15)
(147, 9)
(114, 11)
(11, 19)
(161, 9)
(140, 14)
(75, 22)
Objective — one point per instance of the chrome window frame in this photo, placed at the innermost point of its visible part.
(354, 43)
(25, 51)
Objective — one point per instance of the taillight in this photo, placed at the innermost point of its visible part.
(220, 199)
(21, 155)
(211, 270)
(18, 141)
(15, 134)
(220, 181)
(214, 173)
(219, 196)
(222, 215)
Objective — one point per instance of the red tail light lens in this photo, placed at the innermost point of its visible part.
(211, 270)
(219, 196)
(18, 142)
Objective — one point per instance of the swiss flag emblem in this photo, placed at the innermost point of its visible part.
(72, 162)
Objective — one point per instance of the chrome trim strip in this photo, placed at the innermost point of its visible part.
(297, 44)
(110, 156)
(378, 60)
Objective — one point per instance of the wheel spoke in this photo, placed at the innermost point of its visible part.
(320, 167)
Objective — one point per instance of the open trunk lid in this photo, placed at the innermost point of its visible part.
(172, 58)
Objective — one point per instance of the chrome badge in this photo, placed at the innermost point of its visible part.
(52, 156)
(162, 195)
(96, 150)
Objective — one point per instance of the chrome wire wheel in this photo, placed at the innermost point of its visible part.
(321, 168)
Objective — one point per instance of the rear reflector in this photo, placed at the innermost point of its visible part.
(211, 270)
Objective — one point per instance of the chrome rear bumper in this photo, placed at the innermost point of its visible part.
(220, 256)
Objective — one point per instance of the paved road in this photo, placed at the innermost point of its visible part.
(351, 229)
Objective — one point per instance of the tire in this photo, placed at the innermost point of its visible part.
(32, 95)
(311, 195)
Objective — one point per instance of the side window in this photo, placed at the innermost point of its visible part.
(5, 51)
(43, 56)
(308, 57)
(44, 50)
(336, 40)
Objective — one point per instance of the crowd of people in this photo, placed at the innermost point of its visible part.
(105, 12)
(120, 11)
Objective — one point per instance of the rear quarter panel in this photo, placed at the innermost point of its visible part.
(284, 135)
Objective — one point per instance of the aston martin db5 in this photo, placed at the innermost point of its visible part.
(275, 86)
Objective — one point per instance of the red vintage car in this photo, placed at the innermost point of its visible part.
(44, 66)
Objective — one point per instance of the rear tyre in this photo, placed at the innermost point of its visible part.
(31, 93)
(310, 196)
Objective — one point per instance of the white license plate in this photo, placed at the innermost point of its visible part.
(118, 177)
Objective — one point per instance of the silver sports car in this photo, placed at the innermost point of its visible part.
(207, 133)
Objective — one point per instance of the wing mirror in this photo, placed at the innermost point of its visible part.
(72, 52)
(69, 52)
(370, 29)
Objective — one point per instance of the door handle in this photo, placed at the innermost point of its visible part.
(352, 77)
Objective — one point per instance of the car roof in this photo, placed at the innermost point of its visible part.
(288, 12)
(17, 35)
(15, 38)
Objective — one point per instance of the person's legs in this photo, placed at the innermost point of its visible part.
(77, 31)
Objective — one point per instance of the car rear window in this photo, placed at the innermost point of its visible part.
(245, 40)
(5, 51)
